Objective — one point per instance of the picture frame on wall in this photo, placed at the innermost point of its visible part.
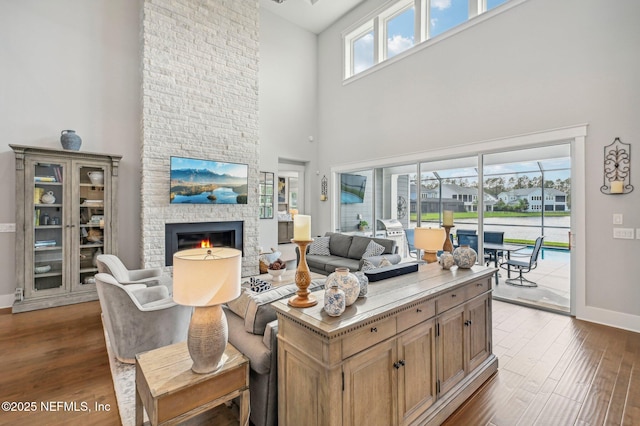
(282, 190)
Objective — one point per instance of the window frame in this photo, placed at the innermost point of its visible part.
(377, 20)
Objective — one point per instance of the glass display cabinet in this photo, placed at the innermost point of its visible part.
(65, 217)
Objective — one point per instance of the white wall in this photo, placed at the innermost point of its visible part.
(70, 64)
(288, 107)
(541, 65)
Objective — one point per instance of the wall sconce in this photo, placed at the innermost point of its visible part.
(617, 168)
(324, 188)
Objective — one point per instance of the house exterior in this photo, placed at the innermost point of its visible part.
(552, 199)
(455, 197)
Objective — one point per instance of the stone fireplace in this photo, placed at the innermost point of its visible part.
(199, 100)
(182, 236)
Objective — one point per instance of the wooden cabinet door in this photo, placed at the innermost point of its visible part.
(451, 348)
(370, 387)
(416, 371)
(477, 312)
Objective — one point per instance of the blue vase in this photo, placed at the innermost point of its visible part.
(70, 140)
(334, 300)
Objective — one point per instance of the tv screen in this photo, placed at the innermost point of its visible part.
(352, 188)
(195, 181)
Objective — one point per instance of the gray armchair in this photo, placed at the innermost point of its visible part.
(112, 265)
(139, 320)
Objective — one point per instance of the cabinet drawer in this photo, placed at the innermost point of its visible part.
(416, 315)
(476, 288)
(451, 298)
(368, 336)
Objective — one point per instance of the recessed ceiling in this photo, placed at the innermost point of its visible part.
(312, 15)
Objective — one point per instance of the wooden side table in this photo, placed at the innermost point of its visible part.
(172, 393)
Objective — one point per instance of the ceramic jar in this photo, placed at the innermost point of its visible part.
(364, 283)
(70, 140)
(48, 197)
(347, 282)
(465, 257)
(446, 260)
(334, 299)
(96, 178)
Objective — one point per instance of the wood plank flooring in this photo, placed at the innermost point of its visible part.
(56, 355)
(554, 370)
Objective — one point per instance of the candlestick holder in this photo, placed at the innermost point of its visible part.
(447, 242)
(303, 297)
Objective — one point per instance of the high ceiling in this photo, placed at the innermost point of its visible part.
(312, 15)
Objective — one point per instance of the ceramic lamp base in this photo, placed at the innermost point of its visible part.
(207, 339)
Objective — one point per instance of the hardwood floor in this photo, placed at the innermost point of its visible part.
(56, 355)
(554, 370)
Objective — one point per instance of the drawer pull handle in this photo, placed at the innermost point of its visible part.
(468, 323)
(453, 295)
(418, 310)
(374, 329)
(479, 285)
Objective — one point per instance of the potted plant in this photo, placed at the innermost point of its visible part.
(363, 225)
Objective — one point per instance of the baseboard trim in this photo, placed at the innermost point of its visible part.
(6, 301)
(611, 318)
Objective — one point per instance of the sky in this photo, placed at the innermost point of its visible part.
(444, 15)
(232, 169)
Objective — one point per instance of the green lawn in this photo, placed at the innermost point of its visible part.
(474, 215)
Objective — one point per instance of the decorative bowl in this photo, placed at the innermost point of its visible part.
(276, 273)
(96, 178)
(42, 269)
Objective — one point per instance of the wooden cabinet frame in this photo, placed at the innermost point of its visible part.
(411, 352)
(69, 233)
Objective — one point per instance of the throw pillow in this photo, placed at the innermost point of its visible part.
(367, 265)
(384, 262)
(259, 312)
(320, 246)
(373, 249)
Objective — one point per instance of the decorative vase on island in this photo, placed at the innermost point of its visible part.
(70, 140)
(334, 299)
(347, 282)
(364, 283)
(446, 260)
(465, 257)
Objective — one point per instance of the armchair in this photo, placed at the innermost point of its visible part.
(112, 265)
(141, 319)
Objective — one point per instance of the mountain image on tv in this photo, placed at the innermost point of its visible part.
(195, 181)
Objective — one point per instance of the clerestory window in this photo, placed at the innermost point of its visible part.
(403, 25)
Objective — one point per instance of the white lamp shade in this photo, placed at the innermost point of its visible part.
(429, 239)
(206, 276)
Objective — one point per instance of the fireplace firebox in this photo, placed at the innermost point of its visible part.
(182, 236)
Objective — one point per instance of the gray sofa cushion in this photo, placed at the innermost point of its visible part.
(339, 244)
(316, 262)
(342, 262)
(359, 246)
(251, 345)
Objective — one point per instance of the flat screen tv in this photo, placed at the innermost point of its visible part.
(195, 181)
(352, 188)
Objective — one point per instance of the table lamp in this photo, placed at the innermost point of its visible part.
(205, 278)
(430, 240)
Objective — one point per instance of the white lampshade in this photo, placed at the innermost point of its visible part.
(206, 276)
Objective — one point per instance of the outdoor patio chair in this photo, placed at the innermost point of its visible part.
(460, 233)
(524, 266)
(493, 237)
(409, 234)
